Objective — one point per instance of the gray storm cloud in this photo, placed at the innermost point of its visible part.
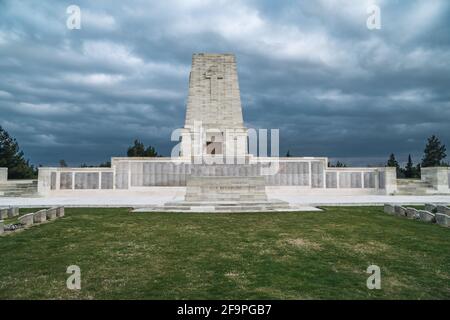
(311, 69)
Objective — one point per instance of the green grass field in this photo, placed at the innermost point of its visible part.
(317, 255)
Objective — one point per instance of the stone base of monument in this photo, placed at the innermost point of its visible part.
(224, 194)
(225, 188)
(226, 207)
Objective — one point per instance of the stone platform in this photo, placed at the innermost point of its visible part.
(223, 194)
(222, 188)
(158, 196)
(227, 207)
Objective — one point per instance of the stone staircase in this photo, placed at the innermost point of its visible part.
(414, 187)
(223, 194)
(221, 206)
(18, 188)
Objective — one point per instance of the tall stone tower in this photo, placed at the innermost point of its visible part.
(214, 124)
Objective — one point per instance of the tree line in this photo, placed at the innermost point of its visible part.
(13, 158)
(433, 156)
(138, 149)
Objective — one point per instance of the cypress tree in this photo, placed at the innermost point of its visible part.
(434, 152)
(409, 169)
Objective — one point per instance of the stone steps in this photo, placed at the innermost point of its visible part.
(221, 206)
(225, 203)
(412, 181)
(228, 198)
(416, 192)
(19, 188)
(414, 187)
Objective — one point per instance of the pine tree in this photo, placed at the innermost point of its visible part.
(409, 169)
(340, 165)
(337, 165)
(106, 164)
(63, 163)
(139, 150)
(434, 152)
(12, 158)
(392, 162)
(150, 152)
(417, 171)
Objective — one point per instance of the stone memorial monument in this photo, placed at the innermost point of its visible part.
(215, 163)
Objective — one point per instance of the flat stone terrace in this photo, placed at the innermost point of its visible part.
(160, 196)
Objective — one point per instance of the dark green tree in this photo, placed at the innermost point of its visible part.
(288, 154)
(139, 150)
(434, 153)
(417, 172)
(340, 165)
(63, 163)
(12, 158)
(136, 150)
(392, 162)
(106, 164)
(409, 168)
(150, 152)
(337, 165)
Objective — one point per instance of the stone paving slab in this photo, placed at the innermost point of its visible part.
(140, 199)
(212, 209)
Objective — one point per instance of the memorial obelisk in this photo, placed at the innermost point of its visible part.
(214, 106)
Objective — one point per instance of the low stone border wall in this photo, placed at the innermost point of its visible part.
(443, 216)
(29, 219)
(8, 212)
(433, 213)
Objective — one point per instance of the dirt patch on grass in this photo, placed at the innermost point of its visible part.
(370, 247)
(276, 293)
(232, 275)
(229, 255)
(395, 284)
(238, 278)
(302, 244)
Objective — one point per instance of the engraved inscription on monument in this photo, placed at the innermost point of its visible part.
(214, 76)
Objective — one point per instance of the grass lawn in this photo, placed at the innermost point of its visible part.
(317, 255)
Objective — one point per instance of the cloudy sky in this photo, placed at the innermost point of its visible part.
(310, 68)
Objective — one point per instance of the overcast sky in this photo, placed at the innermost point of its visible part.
(310, 68)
